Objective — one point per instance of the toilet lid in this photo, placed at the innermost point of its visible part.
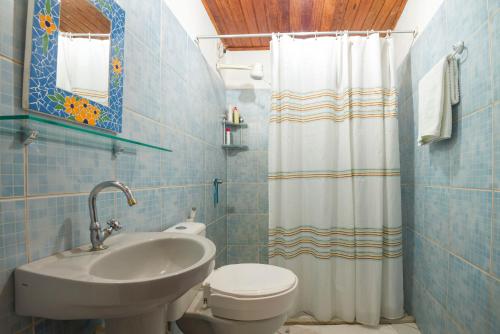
(251, 280)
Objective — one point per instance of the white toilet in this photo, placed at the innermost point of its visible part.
(246, 298)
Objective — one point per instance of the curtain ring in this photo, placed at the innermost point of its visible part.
(367, 33)
(316, 35)
(389, 33)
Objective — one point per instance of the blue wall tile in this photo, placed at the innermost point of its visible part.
(495, 50)
(435, 270)
(145, 216)
(172, 98)
(217, 232)
(242, 254)
(475, 88)
(477, 14)
(431, 45)
(11, 167)
(142, 85)
(495, 259)
(470, 225)
(173, 42)
(242, 229)
(143, 20)
(447, 187)
(430, 314)
(66, 166)
(13, 28)
(60, 223)
(471, 159)
(12, 254)
(471, 298)
(247, 191)
(496, 146)
(10, 87)
(436, 215)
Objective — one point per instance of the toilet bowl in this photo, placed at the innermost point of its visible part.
(239, 298)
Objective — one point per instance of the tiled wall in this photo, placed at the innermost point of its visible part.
(247, 192)
(451, 189)
(171, 98)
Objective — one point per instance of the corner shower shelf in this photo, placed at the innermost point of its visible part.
(235, 125)
(30, 128)
(235, 147)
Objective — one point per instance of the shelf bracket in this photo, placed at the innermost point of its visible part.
(118, 149)
(28, 135)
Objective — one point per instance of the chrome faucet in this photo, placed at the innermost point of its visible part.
(97, 234)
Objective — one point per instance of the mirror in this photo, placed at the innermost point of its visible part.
(83, 51)
(74, 61)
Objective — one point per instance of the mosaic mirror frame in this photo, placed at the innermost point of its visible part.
(40, 93)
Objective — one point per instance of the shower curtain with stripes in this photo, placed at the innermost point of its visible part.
(334, 185)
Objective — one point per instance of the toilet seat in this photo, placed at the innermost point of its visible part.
(250, 291)
(251, 280)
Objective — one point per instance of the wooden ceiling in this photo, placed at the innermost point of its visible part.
(80, 16)
(264, 16)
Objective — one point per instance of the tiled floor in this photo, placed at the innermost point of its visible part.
(409, 328)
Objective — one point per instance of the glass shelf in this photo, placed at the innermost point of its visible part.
(235, 147)
(30, 128)
(236, 125)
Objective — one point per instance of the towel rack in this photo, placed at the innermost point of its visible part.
(458, 48)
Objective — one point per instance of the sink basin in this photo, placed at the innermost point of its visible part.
(149, 260)
(136, 274)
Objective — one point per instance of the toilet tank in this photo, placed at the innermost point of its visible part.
(189, 228)
(178, 307)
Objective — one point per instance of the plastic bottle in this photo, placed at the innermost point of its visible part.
(228, 136)
(236, 115)
(229, 115)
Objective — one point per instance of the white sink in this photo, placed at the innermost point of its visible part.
(136, 276)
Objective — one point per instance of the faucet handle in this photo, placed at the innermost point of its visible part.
(114, 225)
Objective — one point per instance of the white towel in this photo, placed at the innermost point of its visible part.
(436, 92)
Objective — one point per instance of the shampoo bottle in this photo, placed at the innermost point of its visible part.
(236, 115)
(229, 115)
(228, 136)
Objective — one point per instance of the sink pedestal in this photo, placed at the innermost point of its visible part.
(154, 322)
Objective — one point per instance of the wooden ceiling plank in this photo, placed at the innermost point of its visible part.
(250, 18)
(295, 10)
(272, 10)
(259, 8)
(317, 14)
(340, 10)
(83, 17)
(307, 16)
(383, 14)
(265, 16)
(350, 13)
(362, 12)
(393, 17)
(235, 12)
(283, 15)
(328, 15)
(212, 9)
(88, 23)
(229, 23)
(372, 15)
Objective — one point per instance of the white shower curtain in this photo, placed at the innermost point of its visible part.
(83, 67)
(334, 186)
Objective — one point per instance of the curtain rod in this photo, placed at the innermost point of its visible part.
(311, 33)
(79, 34)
